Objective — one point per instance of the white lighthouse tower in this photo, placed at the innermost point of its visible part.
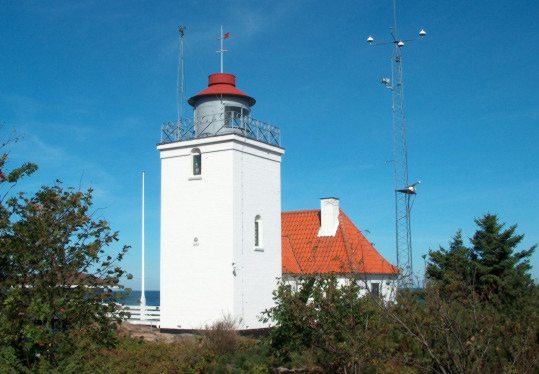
(220, 212)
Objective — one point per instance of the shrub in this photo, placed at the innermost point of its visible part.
(343, 331)
(222, 337)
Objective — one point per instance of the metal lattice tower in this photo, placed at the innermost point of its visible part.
(404, 191)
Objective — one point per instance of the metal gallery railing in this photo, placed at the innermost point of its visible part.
(221, 124)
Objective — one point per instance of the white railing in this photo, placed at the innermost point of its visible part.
(148, 315)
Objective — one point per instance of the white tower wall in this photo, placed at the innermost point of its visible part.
(220, 273)
(257, 196)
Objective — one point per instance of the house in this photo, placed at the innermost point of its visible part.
(326, 241)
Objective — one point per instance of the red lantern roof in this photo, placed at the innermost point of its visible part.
(221, 84)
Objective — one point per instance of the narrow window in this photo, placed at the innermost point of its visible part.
(375, 289)
(234, 114)
(197, 161)
(235, 117)
(258, 232)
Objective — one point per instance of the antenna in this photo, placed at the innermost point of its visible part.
(404, 192)
(180, 80)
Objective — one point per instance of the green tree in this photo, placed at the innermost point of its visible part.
(492, 265)
(452, 268)
(481, 307)
(58, 279)
(503, 273)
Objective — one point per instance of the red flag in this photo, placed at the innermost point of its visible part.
(226, 35)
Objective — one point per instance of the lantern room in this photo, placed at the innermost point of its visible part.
(220, 108)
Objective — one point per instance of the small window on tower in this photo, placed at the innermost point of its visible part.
(197, 161)
(258, 233)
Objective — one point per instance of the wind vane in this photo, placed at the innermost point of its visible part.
(222, 51)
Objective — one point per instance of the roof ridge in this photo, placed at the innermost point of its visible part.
(391, 266)
(301, 211)
(361, 233)
(346, 242)
(294, 253)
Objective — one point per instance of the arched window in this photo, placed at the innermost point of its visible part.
(258, 232)
(197, 161)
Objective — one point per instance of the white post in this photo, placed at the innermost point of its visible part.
(142, 296)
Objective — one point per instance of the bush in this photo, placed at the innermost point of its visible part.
(341, 330)
(447, 335)
(222, 337)
(57, 274)
(187, 355)
(426, 331)
(57, 283)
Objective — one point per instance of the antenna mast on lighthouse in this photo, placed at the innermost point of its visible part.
(221, 50)
(180, 81)
(404, 191)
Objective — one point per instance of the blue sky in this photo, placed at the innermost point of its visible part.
(88, 84)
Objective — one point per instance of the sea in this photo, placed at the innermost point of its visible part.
(153, 298)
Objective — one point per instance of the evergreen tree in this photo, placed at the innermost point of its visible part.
(492, 266)
(502, 272)
(452, 269)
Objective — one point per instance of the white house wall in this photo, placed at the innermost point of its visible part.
(388, 283)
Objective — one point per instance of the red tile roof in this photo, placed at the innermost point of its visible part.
(303, 252)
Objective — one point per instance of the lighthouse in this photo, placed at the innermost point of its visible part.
(220, 212)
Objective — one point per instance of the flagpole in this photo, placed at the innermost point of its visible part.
(142, 295)
(222, 37)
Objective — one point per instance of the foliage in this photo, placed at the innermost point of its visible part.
(57, 283)
(498, 272)
(190, 354)
(465, 335)
(251, 356)
(452, 268)
(136, 356)
(222, 336)
(341, 329)
(478, 313)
